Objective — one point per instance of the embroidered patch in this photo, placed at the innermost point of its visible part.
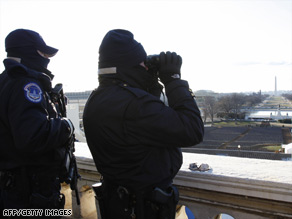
(33, 92)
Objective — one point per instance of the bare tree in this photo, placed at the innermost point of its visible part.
(225, 104)
(231, 104)
(210, 107)
(237, 101)
(205, 113)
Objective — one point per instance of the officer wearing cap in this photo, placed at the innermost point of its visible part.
(32, 134)
(134, 137)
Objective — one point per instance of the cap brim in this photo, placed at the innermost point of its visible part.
(50, 51)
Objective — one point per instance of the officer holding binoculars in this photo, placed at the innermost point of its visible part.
(134, 137)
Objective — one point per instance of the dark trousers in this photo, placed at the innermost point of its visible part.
(1, 203)
(32, 191)
(13, 199)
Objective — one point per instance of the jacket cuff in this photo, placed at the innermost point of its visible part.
(178, 90)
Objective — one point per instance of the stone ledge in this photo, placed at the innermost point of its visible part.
(231, 185)
(241, 187)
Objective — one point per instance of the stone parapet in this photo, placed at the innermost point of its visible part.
(240, 187)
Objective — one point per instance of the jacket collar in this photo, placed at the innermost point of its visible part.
(11, 65)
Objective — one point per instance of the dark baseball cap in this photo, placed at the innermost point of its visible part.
(28, 38)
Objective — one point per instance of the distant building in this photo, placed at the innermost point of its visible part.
(78, 98)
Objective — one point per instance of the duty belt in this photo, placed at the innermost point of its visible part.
(132, 202)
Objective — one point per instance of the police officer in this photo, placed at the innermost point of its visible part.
(134, 137)
(32, 134)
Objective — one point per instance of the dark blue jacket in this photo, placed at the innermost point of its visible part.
(30, 129)
(135, 138)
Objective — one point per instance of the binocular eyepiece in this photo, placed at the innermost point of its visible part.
(152, 62)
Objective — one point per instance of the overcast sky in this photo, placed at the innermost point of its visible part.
(226, 45)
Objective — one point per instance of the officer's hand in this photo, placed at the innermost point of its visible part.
(69, 125)
(169, 69)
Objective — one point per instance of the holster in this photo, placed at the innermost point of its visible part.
(38, 201)
(166, 201)
(6, 179)
(157, 203)
(16, 179)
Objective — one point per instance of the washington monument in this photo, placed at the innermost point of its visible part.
(275, 85)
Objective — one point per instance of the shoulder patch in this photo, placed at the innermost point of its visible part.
(33, 92)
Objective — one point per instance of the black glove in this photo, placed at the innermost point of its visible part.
(169, 69)
(70, 126)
